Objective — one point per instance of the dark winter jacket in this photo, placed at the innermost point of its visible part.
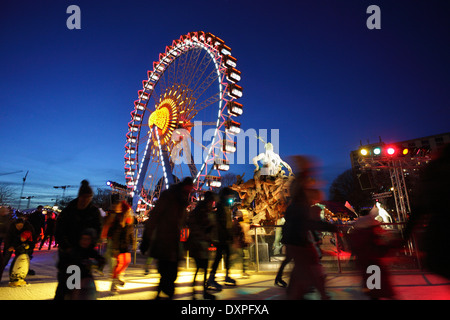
(200, 228)
(50, 225)
(5, 222)
(37, 219)
(163, 228)
(12, 238)
(72, 221)
(121, 237)
(224, 223)
(299, 223)
(431, 208)
(85, 258)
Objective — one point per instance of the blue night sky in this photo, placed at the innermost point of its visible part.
(311, 69)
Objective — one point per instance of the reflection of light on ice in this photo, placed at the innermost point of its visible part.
(135, 287)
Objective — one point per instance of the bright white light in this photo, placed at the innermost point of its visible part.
(236, 92)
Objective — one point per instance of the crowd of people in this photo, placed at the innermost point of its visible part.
(214, 221)
(22, 233)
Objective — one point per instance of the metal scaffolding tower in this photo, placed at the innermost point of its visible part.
(396, 167)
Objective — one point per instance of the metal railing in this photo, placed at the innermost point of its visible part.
(267, 251)
(335, 249)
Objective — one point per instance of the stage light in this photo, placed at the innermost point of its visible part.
(377, 151)
(390, 151)
(364, 152)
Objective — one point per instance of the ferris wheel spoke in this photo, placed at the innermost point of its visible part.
(206, 83)
(191, 66)
(162, 83)
(204, 104)
(181, 65)
(199, 71)
(196, 70)
(202, 67)
(155, 97)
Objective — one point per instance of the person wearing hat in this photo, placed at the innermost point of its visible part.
(80, 214)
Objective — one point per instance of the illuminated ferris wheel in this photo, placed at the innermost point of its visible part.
(182, 122)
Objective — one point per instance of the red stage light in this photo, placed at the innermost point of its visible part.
(390, 151)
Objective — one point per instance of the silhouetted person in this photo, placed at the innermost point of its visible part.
(297, 233)
(369, 245)
(86, 257)
(37, 220)
(199, 241)
(163, 230)
(242, 238)
(121, 235)
(13, 238)
(431, 206)
(224, 225)
(279, 277)
(80, 214)
(49, 233)
(6, 220)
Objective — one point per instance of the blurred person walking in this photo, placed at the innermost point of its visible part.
(297, 233)
(431, 207)
(163, 230)
(199, 241)
(242, 238)
(80, 214)
(88, 259)
(369, 244)
(121, 235)
(224, 241)
(6, 220)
